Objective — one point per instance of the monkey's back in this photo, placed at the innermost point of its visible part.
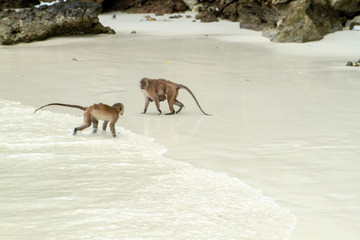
(102, 111)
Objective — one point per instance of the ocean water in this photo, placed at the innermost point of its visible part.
(92, 186)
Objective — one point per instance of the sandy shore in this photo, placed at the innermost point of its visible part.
(285, 115)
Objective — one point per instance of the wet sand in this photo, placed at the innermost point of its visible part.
(285, 116)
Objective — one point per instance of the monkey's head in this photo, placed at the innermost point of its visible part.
(119, 106)
(144, 83)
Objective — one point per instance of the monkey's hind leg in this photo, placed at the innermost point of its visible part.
(105, 125)
(86, 124)
(179, 104)
(171, 106)
(95, 123)
(80, 128)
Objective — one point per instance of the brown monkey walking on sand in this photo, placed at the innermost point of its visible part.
(158, 90)
(94, 113)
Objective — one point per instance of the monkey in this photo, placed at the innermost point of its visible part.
(159, 90)
(94, 113)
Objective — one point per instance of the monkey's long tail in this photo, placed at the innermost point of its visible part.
(187, 89)
(61, 104)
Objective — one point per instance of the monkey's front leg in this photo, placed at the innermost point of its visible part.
(147, 102)
(157, 103)
(112, 128)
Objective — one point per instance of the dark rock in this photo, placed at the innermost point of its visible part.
(89, 1)
(60, 19)
(251, 14)
(9, 4)
(352, 23)
(207, 14)
(304, 21)
(175, 16)
(280, 20)
(206, 17)
(145, 6)
(229, 11)
(114, 5)
(351, 64)
(256, 17)
(348, 8)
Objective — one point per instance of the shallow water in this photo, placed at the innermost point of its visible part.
(93, 186)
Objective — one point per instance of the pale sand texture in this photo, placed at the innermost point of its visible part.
(286, 116)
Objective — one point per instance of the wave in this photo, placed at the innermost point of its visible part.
(93, 186)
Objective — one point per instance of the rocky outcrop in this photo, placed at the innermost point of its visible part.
(7, 4)
(60, 19)
(349, 8)
(89, 1)
(304, 21)
(353, 23)
(353, 64)
(145, 6)
(281, 20)
(256, 16)
(207, 13)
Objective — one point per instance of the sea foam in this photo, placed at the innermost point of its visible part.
(93, 186)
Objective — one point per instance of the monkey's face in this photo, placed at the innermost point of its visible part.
(144, 83)
(120, 106)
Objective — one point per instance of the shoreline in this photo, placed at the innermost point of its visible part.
(283, 113)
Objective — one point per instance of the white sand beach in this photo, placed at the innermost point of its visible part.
(285, 116)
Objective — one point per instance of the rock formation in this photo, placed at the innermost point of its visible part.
(6, 4)
(89, 1)
(349, 8)
(279, 20)
(60, 19)
(355, 64)
(145, 6)
(304, 21)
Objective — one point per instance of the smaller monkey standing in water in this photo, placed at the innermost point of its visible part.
(94, 113)
(159, 90)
